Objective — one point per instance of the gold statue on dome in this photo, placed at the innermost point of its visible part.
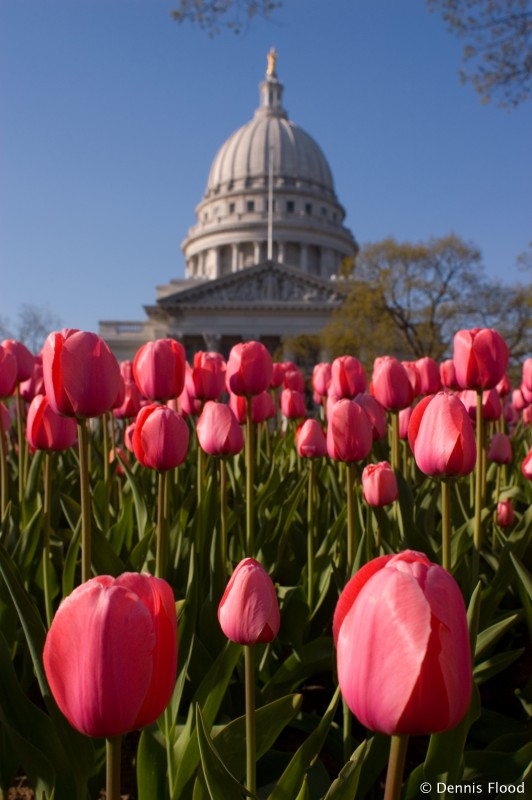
(272, 58)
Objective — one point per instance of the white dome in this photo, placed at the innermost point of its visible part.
(297, 158)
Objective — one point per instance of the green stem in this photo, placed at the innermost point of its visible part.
(310, 529)
(201, 475)
(162, 526)
(446, 524)
(395, 454)
(4, 492)
(249, 478)
(396, 765)
(47, 510)
(223, 510)
(351, 523)
(22, 448)
(249, 666)
(106, 472)
(346, 732)
(84, 476)
(113, 748)
(477, 535)
(496, 500)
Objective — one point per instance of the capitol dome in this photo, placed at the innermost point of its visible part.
(269, 196)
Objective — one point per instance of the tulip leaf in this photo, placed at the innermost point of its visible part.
(497, 663)
(292, 777)
(505, 767)
(524, 575)
(304, 794)
(220, 782)
(152, 765)
(140, 504)
(309, 659)
(489, 636)
(104, 558)
(28, 541)
(230, 742)
(69, 568)
(344, 787)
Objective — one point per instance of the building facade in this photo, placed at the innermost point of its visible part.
(269, 240)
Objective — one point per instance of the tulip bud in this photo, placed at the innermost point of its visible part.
(480, 358)
(208, 376)
(441, 436)
(376, 414)
(429, 375)
(293, 379)
(527, 374)
(8, 372)
(390, 384)
(159, 369)
(403, 652)
(160, 437)
(262, 407)
(249, 369)
(448, 374)
(349, 432)
(379, 484)
(505, 513)
(310, 439)
(218, 430)
(293, 404)
(526, 466)
(249, 611)
(500, 449)
(110, 655)
(348, 377)
(321, 378)
(46, 430)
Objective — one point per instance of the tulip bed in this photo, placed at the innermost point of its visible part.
(85, 496)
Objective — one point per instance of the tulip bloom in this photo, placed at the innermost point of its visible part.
(491, 404)
(480, 358)
(262, 407)
(293, 404)
(131, 400)
(110, 655)
(160, 438)
(207, 376)
(46, 430)
(25, 359)
(379, 484)
(404, 421)
(81, 374)
(441, 436)
(159, 369)
(249, 369)
(35, 383)
(429, 375)
(500, 449)
(311, 441)
(526, 466)
(527, 374)
(376, 414)
(249, 611)
(505, 513)
(448, 374)
(390, 384)
(348, 377)
(8, 372)
(321, 378)
(278, 371)
(218, 430)
(413, 376)
(403, 652)
(293, 379)
(349, 432)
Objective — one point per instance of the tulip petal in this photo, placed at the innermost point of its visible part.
(388, 625)
(98, 658)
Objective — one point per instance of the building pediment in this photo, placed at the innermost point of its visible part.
(266, 285)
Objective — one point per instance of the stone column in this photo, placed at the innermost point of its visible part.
(234, 257)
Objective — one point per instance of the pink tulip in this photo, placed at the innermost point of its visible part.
(491, 403)
(278, 371)
(188, 404)
(130, 402)
(110, 655)
(448, 374)
(527, 393)
(311, 441)
(81, 374)
(128, 436)
(159, 369)
(403, 652)
(249, 611)
(208, 376)
(249, 369)
(526, 466)
(349, 432)
(505, 513)
(413, 376)
(218, 430)
(441, 436)
(480, 358)
(429, 375)
(527, 415)
(404, 420)
(293, 404)
(8, 372)
(376, 414)
(35, 383)
(348, 377)
(294, 379)
(500, 449)
(262, 407)
(390, 384)
(160, 438)
(46, 430)
(379, 484)
(518, 401)
(321, 378)
(126, 370)
(527, 373)
(504, 386)
(25, 359)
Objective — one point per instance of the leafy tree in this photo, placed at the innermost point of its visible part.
(408, 300)
(498, 45)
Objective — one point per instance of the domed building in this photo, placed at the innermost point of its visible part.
(268, 243)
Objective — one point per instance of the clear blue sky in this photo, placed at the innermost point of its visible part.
(111, 114)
